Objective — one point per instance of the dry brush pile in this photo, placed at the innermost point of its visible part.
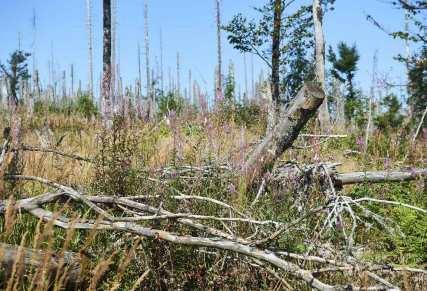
(127, 215)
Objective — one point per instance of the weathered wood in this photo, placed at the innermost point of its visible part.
(305, 105)
(293, 177)
(68, 262)
(379, 176)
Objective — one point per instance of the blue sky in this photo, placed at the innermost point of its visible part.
(188, 27)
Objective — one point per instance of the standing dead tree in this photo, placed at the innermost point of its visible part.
(107, 69)
(218, 91)
(90, 46)
(274, 110)
(284, 133)
(319, 38)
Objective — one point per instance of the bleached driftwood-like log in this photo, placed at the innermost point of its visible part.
(107, 221)
(379, 176)
(68, 262)
(284, 133)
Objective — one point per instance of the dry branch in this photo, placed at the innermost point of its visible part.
(47, 150)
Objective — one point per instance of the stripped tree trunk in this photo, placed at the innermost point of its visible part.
(147, 63)
(106, 77)
(281, 137)
(178, 76)
(113, 53)
(323, 116)
(274, 110)
(68, 263)
(218, 91)
(90, 53)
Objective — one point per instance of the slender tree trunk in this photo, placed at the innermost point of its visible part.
(323, 115)
(371, 98)
(72, 80)
(189, 87)
(64, 86)
(147, 63)
(178, 76)
(139, 72)
(113, 51)
(245, 68)
(218, 91)
(161, 63)
(275, 108)
(89, 44)
(252, 77)
(106, 77)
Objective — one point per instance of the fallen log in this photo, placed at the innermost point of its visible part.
(67, 263)
(296, 179)
(379, 176)
(284, 133)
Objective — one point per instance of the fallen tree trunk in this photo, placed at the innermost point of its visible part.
(294, 178)
(379, 176)
(68, 263)
(284, 133)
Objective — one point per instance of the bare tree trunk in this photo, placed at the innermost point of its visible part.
(147, 63)
(274, 110)
(139, 72)
(252, 77)
(285, 131)
(106, 77)
(72, 80)
(371, 98)
(218, 91)
(31, 258)
(113, 52)
(419, 125)
(323, 116)
(178, 76)
(161, 63)
(189, 87)
(64, 86)
(90, 47)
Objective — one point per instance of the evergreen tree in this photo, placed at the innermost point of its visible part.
(418, 83)
(391, 118)
(344, 67)
(17, 71)
(230, 84)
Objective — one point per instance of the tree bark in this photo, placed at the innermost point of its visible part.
(33, 258)
(90, 47)
(379, 176)
(274, 110)
(285, 131)
(323, 117)
(106, 77)
(218, 93)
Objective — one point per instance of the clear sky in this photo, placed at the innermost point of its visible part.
(188, 27)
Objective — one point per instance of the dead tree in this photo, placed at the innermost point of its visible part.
(147, 63)
(90, 46)
(218, 91)
(319, 39)
(284, 133)
(66, 264)
(274, 110)
(106, 77)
